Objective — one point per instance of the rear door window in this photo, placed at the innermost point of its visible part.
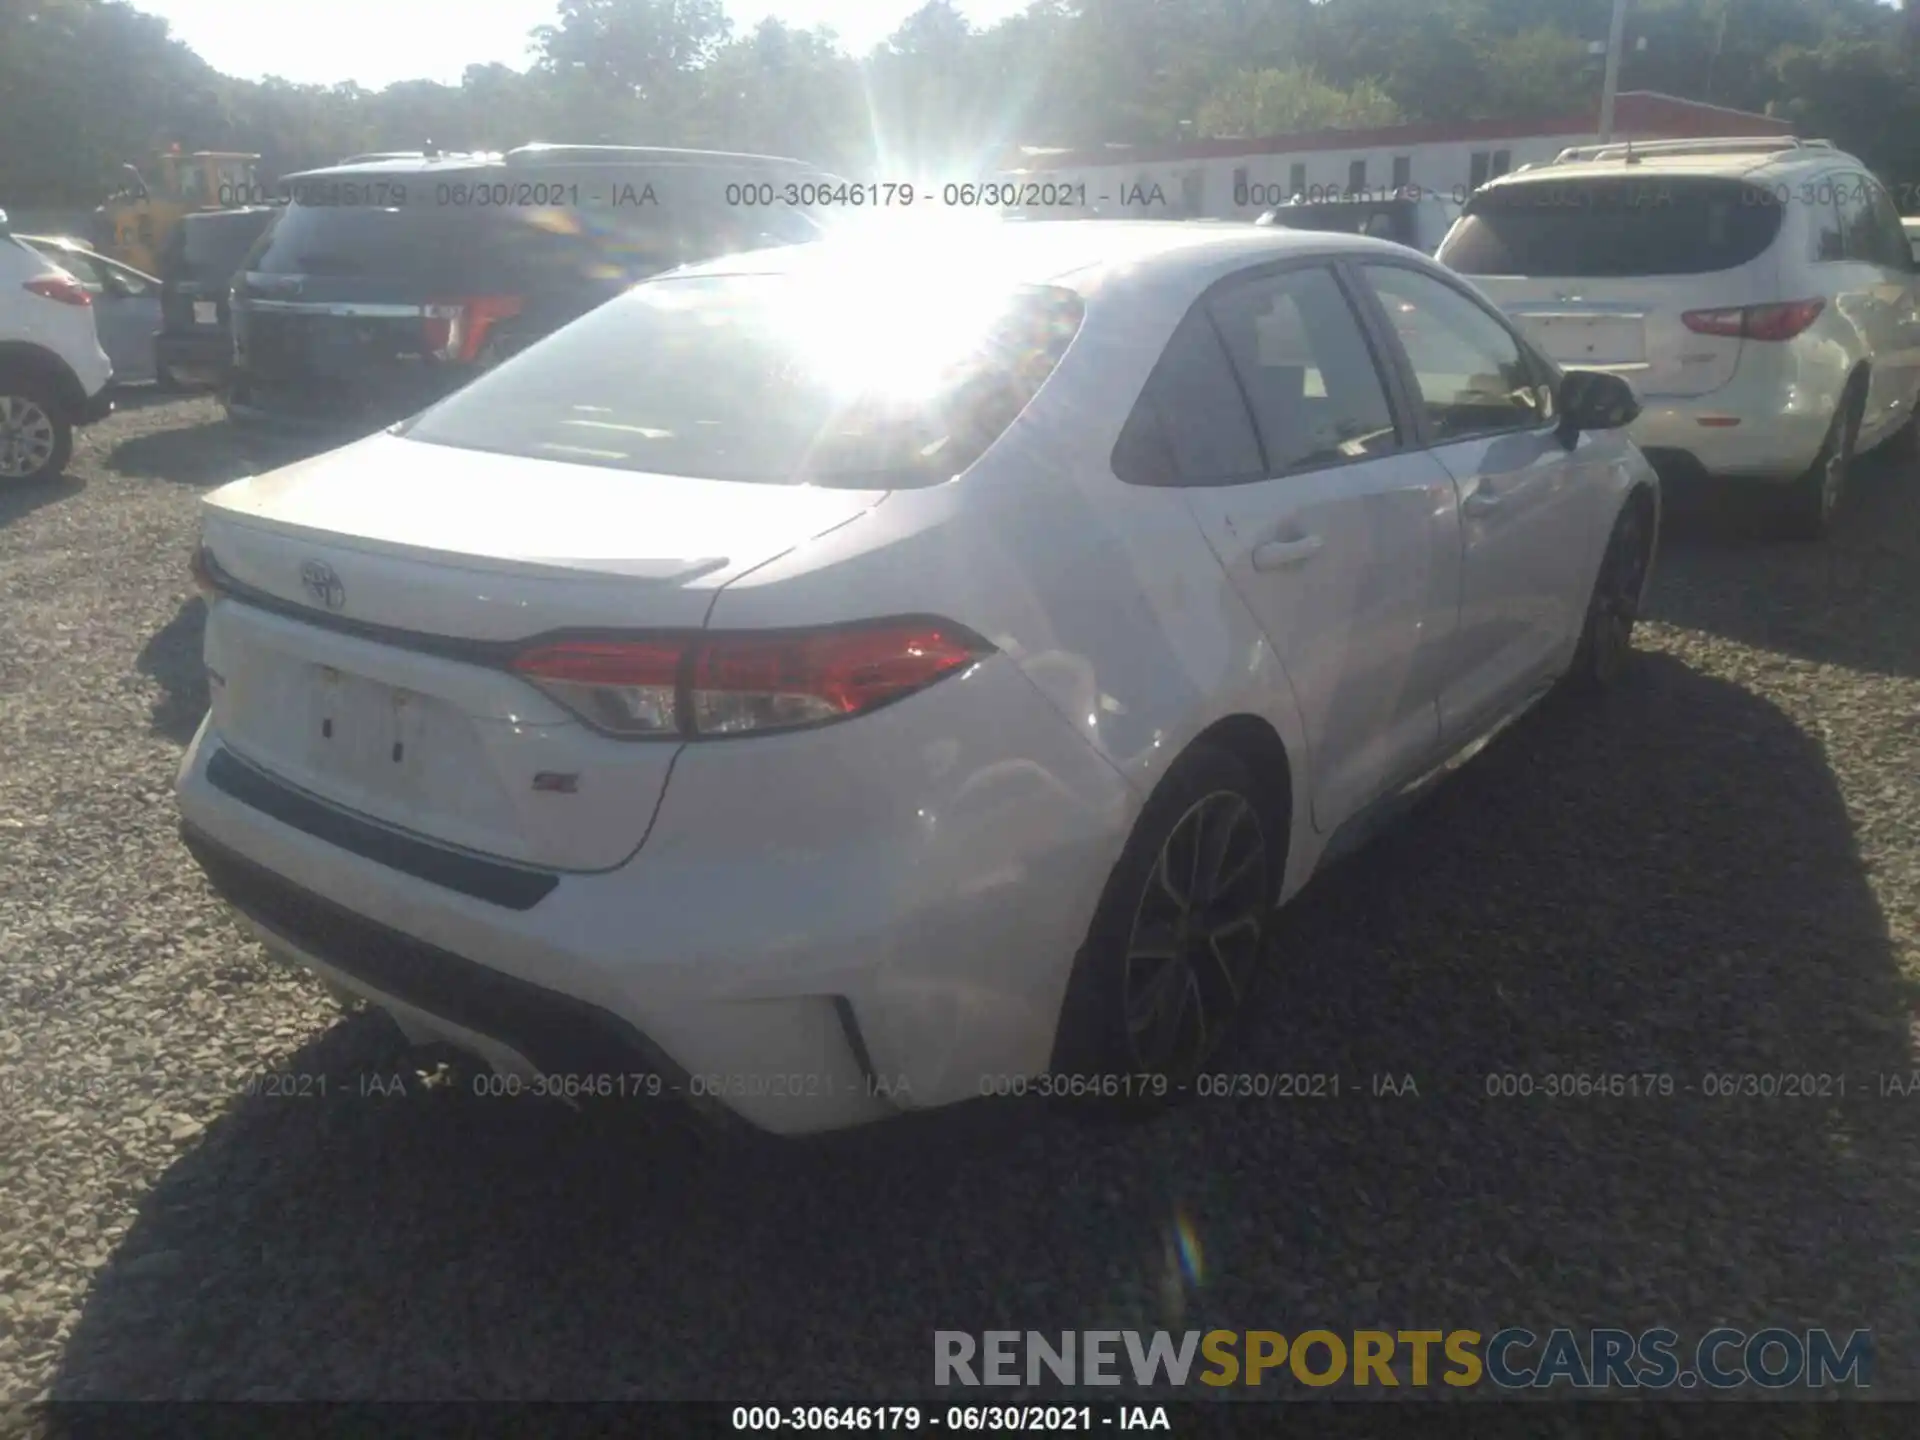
(1859, 227)
(1829, 237)
(1299, 352)
(1894, 252)
(1190, 425)
(1472, 374)
(1613, 226)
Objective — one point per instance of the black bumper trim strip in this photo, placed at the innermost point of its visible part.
(512, 887)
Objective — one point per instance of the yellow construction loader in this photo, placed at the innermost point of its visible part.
(134, 223)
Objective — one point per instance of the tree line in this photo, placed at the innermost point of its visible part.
(88, 85)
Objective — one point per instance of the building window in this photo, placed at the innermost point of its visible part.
(1402, 171)
(1296, 179)
(1477, 169)
(1191, 191)
(1357, 176)
(1502, 162)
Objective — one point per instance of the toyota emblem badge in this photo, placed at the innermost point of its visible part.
(322, 584)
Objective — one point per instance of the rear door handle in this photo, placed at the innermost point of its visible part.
(1279, 554)
(1481, 502)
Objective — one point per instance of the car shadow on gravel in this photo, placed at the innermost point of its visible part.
(210, 453)
(19, 501)
(1662, 888)
(172, 659)
(1848, 601)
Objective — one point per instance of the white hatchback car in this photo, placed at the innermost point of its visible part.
(862, 677)
(1759, 294)
(53, 373)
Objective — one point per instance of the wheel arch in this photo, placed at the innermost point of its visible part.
(1253, 740)
(20, 357)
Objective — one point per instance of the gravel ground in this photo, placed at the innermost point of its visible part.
(1715, 872)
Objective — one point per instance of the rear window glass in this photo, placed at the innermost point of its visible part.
(211, 247)
(1616, 226)
(404, 242)
(800, 377)
(438, 236)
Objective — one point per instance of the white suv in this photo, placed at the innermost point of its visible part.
(1759, 294)
(53, 373)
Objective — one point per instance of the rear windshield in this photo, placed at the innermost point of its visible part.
(211, 247)
(1625, 225)
(443, 232)
(797, 378)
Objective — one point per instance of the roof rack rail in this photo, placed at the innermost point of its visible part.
(1722, 145)
(545, 151)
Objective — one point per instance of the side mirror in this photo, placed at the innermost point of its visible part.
(1594, 400)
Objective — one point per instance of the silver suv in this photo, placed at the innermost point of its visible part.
(1759, 294)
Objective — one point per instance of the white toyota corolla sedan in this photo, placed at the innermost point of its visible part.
(860, 677)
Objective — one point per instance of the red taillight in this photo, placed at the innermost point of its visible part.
(1756, 322)
(64, 288)
(626, 687)
(457, 329)
(723, 684)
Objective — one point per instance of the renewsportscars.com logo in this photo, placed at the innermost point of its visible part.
(1512, 1359)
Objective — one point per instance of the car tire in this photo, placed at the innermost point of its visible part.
(1177, 939)
(1807, 509)
(1606, 638)
(36, 435)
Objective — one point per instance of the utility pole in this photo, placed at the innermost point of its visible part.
(1616, 37)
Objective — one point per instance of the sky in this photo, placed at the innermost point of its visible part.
(376, 42)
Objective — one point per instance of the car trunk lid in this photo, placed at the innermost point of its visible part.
(378, 592)
(1632, 328)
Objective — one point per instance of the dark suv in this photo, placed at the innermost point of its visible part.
(389, 281)
(197, 264)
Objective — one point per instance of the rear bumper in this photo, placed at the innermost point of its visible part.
(1690, 437)
(803, 937)
(518, 1028)
(1765, 425)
